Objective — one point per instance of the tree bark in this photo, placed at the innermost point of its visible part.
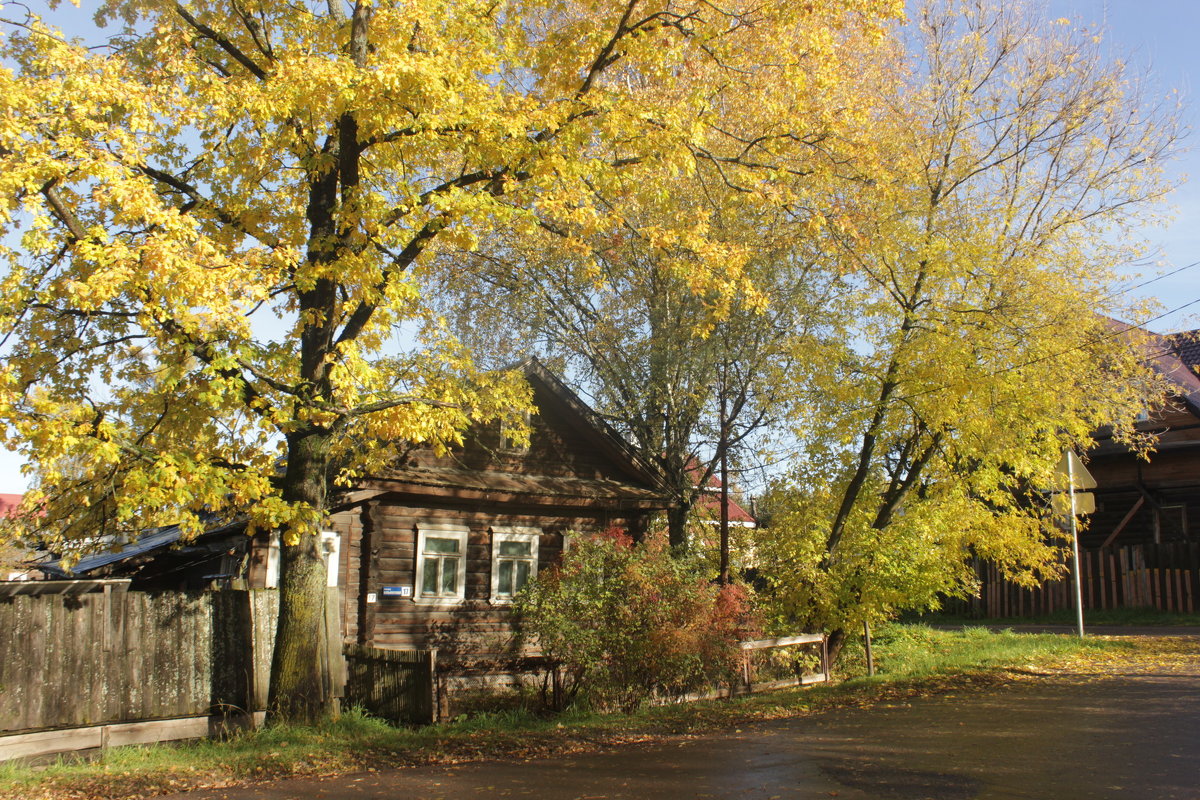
(301, 685)
(835, 641)
(677, 516)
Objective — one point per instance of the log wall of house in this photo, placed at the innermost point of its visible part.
(379, 550)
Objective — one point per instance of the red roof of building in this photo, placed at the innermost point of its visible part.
(9, 503)
(1175, 356)
(710, 502)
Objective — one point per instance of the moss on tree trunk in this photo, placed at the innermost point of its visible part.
(301, 687)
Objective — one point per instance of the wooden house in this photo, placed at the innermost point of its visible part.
(431, 553)
(1154, 501)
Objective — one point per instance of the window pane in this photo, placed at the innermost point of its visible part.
(440, 545)
(522, 575)
(516, 548)
(449, 576)
(504, 580)
(429, 579)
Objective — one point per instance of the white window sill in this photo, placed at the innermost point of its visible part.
(446, 602)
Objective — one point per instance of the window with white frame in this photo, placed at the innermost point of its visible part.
(441, 563)
(514, 561)
(330, 550)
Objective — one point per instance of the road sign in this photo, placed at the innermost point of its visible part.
(1071, 467)
(1085, 503)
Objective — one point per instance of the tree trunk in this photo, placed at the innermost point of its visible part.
(301, 687)
(835, 642)
(677, 516)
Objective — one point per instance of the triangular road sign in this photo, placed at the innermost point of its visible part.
(1070, 464)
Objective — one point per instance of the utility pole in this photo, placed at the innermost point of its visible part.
(723, 444)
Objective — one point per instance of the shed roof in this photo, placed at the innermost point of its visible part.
(150, 541)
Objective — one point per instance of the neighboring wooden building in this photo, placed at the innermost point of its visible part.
(431, 553)
(1154, 501)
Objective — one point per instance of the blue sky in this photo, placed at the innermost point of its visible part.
(1159, 37)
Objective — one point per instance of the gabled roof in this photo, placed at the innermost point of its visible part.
(709, 500)
(635, 484)
(594, 427)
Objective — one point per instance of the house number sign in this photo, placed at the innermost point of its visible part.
(397, 591)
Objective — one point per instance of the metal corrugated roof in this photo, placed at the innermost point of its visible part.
(150, 541)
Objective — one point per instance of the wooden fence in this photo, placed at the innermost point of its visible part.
(787, 661)
(79, 669)
(1161, 576)
(123, 656)
(396, 685)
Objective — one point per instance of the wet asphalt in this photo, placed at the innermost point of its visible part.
(1121, 736)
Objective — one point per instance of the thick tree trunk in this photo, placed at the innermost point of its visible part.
(301, 689)
(677, 516)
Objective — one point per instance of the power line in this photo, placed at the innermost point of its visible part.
(1156, 278)
(1012, 367)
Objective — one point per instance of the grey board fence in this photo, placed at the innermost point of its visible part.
(130, 662)
(108, 657)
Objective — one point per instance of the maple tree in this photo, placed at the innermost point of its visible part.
(227, 209)
(979, 265)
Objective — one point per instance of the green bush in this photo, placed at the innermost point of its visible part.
(626, 622)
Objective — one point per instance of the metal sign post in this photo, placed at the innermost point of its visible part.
(1081, 503)
(1075, 544)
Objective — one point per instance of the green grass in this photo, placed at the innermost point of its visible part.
(912, 659)
(914, 651)
(1066, 616)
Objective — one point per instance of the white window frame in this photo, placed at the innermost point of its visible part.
(330, 548)
(513, 534)
(441, 530)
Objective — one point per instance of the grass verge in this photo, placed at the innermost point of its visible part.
(912, 660)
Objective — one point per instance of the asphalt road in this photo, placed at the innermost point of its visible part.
(1122, 736)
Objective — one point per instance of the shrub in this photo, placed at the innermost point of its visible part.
(625, 622)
